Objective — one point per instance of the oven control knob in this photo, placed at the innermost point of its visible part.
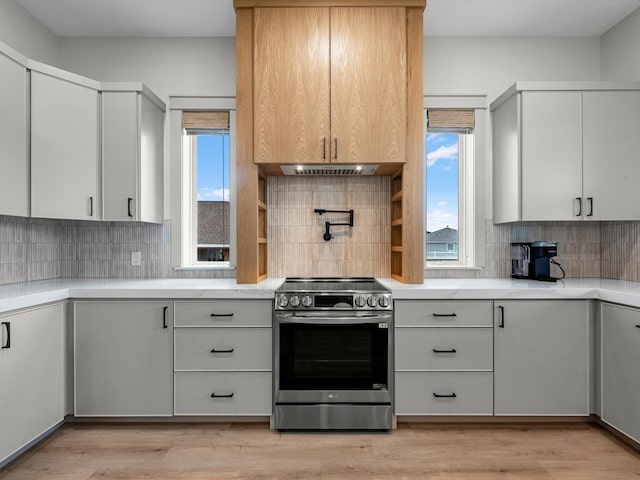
(372, 301)
(360, 301)
(306, 301)
(383, 301)
(283, 301)
(294, 301)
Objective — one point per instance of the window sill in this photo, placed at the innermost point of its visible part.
(452, 267)
(204, 267)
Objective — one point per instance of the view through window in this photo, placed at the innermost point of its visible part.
(443, 195)
(212, 196)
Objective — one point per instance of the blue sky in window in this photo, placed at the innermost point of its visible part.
(213, 167)
(442, 181)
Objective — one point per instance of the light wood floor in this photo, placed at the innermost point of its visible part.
(252, 451)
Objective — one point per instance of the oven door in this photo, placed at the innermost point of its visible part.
(333, 357)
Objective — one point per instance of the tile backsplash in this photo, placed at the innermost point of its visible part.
(38, 249)
(296, 247)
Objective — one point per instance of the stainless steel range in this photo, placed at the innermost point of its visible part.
(333, 349)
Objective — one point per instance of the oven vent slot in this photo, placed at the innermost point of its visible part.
(328, 169)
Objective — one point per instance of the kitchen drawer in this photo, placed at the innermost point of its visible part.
(251, 393)
(415, 393)
(435, 313)
(415, 349)
(224, 313)
(251, 348)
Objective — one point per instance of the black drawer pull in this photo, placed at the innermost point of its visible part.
(215, 395)
(7, 325)
(164, 317)
(444, 314)
(446, 395)
(222, 314)
(450, 350)
(230, 350)
(637, 326)
(501, 324)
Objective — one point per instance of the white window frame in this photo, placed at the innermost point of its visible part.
(184, 212)
(472, 189)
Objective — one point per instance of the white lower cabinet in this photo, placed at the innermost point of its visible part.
(443, 357)
(620, 361)
(32, 378)
(223, 358)
(123, 358)
(223, 393)
(541, 357)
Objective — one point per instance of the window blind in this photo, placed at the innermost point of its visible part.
(450, 120)
(199, 122)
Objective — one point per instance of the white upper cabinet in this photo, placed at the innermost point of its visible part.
(132, 149)
(14, 180)
(611, 154)
(566, 151)
(65, 145)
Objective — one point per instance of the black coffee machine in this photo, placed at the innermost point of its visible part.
(533, 260)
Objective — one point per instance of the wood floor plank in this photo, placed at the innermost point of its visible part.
(253, 451)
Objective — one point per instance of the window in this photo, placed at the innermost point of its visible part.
(452, 199)
(209, 155)
(204, 218)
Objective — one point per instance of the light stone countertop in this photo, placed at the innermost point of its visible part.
(29, 294)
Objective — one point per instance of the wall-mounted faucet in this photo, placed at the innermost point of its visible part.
(327, 225)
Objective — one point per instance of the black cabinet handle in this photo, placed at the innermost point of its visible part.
(129, 200)
(446, 395)
(637, 326)
(444, 314)
(7, 325)
(228, 395)
(230, 350)
(91, 206)
(324, 148)
(501, 324)
(579, 207)
(590, 200)
(335, 149)
(222, 314)
(164, 317)
(451, 350)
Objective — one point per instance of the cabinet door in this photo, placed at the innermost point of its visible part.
(291, 85)
(31, 376)
(541, 358)
(14, 180)
(620, 359)
(368, 85)
(120, 137)
(150, 207)
(551, 152)
(64, 149)
(123, 360)
(611, 155)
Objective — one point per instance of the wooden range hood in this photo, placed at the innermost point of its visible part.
(403, 114)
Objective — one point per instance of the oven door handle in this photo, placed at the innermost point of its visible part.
(324, 320)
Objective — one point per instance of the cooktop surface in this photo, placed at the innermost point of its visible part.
(360, 284)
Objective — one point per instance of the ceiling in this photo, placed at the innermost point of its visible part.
(205, 18)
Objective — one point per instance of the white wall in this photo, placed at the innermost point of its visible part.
(619, 50)
(489, 65)
(22, 32)
(169, 66)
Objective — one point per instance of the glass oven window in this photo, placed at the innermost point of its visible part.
(333, 357)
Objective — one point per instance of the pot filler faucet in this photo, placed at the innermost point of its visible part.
(327, 225)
